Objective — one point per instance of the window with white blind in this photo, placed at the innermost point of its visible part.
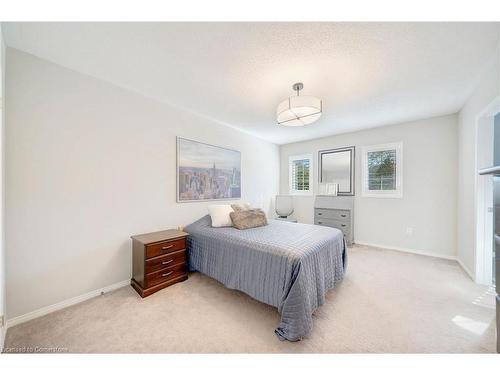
(300, 174)
(383, 170)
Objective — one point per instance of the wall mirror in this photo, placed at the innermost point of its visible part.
(337, 166)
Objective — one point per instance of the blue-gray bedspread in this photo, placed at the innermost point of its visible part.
(287, 265)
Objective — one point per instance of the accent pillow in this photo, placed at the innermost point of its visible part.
(219, 213)
(241, 206)
(246, 219)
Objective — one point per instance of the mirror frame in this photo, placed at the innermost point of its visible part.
(352, 150)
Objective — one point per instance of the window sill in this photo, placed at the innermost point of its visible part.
(397, 195)
(300, 193)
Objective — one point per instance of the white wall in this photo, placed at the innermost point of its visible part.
(89, 164)
(429, 186)
(486, 91)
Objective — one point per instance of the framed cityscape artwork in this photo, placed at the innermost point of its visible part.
(206, 172)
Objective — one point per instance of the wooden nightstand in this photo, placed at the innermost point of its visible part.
(159, 260)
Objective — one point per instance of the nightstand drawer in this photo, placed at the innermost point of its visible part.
(165, 275)
(165, 247)
(170, 259)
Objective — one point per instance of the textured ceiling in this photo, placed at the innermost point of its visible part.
(368, 74)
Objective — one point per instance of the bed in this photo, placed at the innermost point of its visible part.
(287, 265)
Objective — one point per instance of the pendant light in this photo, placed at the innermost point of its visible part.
(299, 110)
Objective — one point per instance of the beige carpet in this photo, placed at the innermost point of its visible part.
(389, 302)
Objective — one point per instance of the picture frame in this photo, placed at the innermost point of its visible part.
(207, 172)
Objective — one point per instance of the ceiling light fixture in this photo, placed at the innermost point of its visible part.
(299, 110)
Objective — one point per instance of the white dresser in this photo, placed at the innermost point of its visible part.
(336, 212)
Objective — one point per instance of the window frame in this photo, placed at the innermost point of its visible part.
(293, 158)
(398, 192)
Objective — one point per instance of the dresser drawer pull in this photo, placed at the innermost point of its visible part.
(343, 215)
(319, 213)
(320, 222)
(167, 247)
(167, 262)
(343, 225)
(167, 274)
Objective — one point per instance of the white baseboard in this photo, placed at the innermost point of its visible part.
(406, 250)
(61, 305)
(466, 269)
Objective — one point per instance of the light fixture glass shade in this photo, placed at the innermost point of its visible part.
(299, 111)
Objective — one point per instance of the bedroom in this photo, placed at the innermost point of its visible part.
(296, 187)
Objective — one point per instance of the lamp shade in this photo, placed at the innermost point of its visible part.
(299, 111)
(284, 205)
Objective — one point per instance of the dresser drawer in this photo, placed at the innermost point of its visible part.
(165, 247)
(165, 274)
(343, 215)
(162, 261)
(343, 226)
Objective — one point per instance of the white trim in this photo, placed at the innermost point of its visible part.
(479, 257)
(466, 269)
(63, 304)
(2, 336)
(311, 172)
(398, 193)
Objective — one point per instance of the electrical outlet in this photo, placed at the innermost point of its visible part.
(409, 231)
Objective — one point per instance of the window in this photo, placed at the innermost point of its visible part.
(383, 170)
(299, 175)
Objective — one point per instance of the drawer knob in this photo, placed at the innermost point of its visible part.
(319, 213)
(167, 247)
(167, 274)
(167, 262)
(343, 215)
(319, 222)
(343, 225)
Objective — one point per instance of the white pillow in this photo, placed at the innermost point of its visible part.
(220, 215)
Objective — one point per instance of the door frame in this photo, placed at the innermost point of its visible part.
(483, 266)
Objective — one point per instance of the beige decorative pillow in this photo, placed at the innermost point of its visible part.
(241, 206)
(246, 219)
